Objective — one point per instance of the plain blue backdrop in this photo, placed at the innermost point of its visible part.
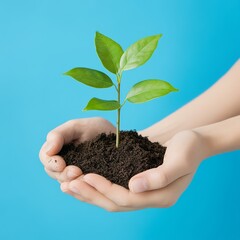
(39, 40)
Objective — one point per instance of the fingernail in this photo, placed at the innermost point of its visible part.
(139, 185)
(71, 174)
(64, 186)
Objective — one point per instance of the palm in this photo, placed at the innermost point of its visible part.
(91, 127)
(183, 151)
(76, 131)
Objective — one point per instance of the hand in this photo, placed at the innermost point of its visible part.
(76, 131)
(158, 187)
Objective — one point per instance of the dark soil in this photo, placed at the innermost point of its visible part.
(135, 154)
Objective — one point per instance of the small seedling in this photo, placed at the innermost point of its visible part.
(115, 60)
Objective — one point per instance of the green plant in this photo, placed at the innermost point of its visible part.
(115, 60)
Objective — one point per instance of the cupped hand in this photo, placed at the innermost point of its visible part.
(78, 130)
(158, 187)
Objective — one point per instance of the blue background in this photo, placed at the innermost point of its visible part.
(39, 40)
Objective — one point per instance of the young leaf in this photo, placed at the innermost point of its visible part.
(139, 52)
(100, 104)
(90, 77)
(109, 52)
(149, 89)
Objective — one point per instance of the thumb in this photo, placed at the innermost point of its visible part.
(156, 178)
(54, 143)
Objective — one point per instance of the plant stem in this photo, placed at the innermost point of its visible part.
(118, 111)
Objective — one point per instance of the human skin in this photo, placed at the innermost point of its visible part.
(219, 102)
(210, 130)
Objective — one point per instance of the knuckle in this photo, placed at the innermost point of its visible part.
(73, 123)
(99, 119)
(158, 178)
(52, 134)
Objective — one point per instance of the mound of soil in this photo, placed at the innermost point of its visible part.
(135, 154)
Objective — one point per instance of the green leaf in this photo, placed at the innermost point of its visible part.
(100, 104)
(109, 52)
(139, 52)
(149, 89)
(90, 77)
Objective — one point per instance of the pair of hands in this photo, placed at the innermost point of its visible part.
(158, 187)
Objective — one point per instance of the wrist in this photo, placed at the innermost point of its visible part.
(222, 136)
(212, 143)
(198, 146)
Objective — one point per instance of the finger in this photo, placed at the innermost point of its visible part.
(52, 163)
(164, 197)
(68, 174)
(81, 190)
(155, 178)
(63, 134)
(116, 193)
(168, 196)
(65, 189)
(51, 173)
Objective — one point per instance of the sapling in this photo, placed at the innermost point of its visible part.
(115, 60)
